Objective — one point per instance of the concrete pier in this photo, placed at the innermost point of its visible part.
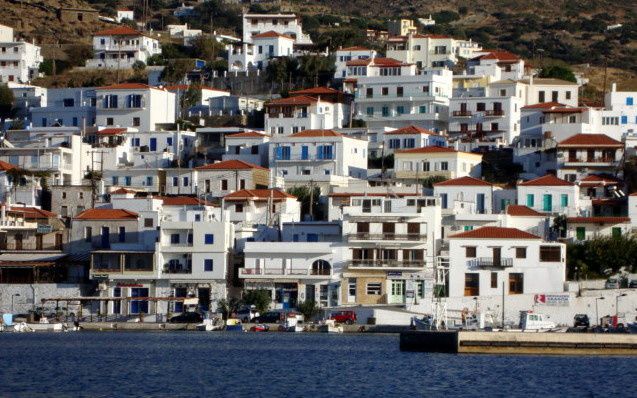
(519, 343)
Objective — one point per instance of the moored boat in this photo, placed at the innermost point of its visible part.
(233, 325)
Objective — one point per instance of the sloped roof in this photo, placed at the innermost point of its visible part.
(495, 233)
(122, 191)
(464, 181)
(247, 134)
(379, 61)
(594, 179)
(296, 100)
(4, 166)
(503, 56)
(544, 105)
(111, 131)
(233, 164)
(597, 220)
(548, 180)
(313, 91)
(32, 212)
(354, 48)
(522, 211)
(270, 35)
(184, 87)
(119, 31)
(258, 194)
(107, 214)
(411, 130)
(315, 133)
(592, 140)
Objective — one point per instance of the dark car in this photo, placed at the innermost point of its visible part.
(347, 317)
(269, 317)
(582, 320)
(187, 317)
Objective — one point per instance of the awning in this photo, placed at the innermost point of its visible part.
(29, 259)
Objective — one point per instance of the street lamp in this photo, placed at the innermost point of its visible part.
(617, 303)
(597, 309)
(12, 297)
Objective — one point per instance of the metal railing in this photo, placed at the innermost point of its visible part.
(386, 236)
(29, 246)
(462, 113)
(387, 263)
(281, 271)
(177, 269)
(492, 262)
(494, 112)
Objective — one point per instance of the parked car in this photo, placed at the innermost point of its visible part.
(633, 284)
(347, 317)
(612, 283)
(581, 320)
(247, 314)
(187, 317)
(269, 317)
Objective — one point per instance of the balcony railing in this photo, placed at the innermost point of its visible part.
(589, 160)
(29, 246)
(177, 269)
(491, 262)
(387, 264)
(461, 113)
(281, 271)
(386, 236)
(494, 112)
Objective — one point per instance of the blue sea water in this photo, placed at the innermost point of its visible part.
(196, 364)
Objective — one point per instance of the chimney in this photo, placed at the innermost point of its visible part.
(613, 87)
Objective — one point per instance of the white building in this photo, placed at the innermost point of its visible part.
(466, 195)
(549, 194)
(121, 47)
(585, 154)
(300, 112)
(221, 178)
(184, 33)
(264, 46)
(134, 105)
(429, 50)
(124, 13)
(19, 61)
(344, 55)
(496, 65)
(322, 157)
(284, 24)
(410, 137)
(394, 100)
(419, 163)
(580, 229)
(65, 107)
(488, 260)
(253, 207)
(250, 146)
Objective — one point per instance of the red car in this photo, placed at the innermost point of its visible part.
(347, 317)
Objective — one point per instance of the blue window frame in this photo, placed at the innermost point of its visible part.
(624, 119)
(115, 180)
(443, 200)
(44, 122)
(312, 238)
(190, 238)
(324, 152)
(410, 143)
(74, 122)
(208, 265)
(629, 101)
(209, 239)
(186, 181)
(530, 200)
(305, 155)
(370, 111)
(385, 111)
(564, 200)
(283, 153)
(136, 142)
(137, 306)
(128, 181)
(149, 181)
(394, 143)
(174, 239)
(169, 141)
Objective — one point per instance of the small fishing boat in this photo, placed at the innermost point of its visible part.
(234, 325)
(210, 325)
(292, 324)
(329, 326)
(260, 328)
(44, 325)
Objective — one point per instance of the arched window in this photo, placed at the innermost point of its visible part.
(321, 267)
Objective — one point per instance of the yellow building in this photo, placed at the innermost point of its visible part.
(419, 163)
(401, 27)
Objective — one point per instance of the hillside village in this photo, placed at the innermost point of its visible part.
(421, 172)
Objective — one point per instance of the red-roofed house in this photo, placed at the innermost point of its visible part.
(304, 111)
(411, 137)
(549, 194)
(221, 178)
(256, 55)
(121, 47)
(483, 260)
(497, 64)
(134, 105)
(584, 154)
(465, 195)
(250, 146)
(325, 157)
(585, 228)
(418, 163)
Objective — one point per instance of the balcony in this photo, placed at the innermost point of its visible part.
(591, 160)
(462, 113)
(387, 236)
(177, 269)
(292, 273)
(18, 246)
(491, 262)
(494, 113)
(382, 264)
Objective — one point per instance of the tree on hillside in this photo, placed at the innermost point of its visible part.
(602, 256)
(558, 72)
(305, 195)
(6, 103)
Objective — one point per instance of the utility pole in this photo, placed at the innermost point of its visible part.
(312, 199)
(502, 304)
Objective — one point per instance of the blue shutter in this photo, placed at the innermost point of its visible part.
(279, 153)
(624, 119)
(304, 152)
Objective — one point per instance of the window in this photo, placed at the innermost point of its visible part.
(115, 180)
(568, 95)
(148, 222)
(208, 265)
(224, 185)
(110, 101)
(385, 111)
(283, 153)
(136, 121)
(63, 195)
(470, 252)
(109, 121)
(209, 239)
(554, 96)
(175, 181)
(385, 91)
(471, 284)
(520, 252)
(324, 152)
(530, 200)
(238, 208)
(370, 111)
(550, 254)
(149, 181)
(494, 280)
(422, 109)
(443, 200)
(444, 166)
(374, 289)
(88, 234)
(370, 93)
(242, 184)
(174, 239)
(547, 202)
(564, 200)
(186, 181)
(399, 91)
(580, 233)
(629, 101)
(541, 96)
(516, 283)
(122, 234)
(400, 110)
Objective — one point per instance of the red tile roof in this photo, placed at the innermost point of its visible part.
(296, 100)
(597, 220)
(590, 140)
(565, 109)
(180, 201)
(107, 214)
(184, 87)
(315, 134)
(4, 166)
(522, 211)
(354, 48)
(314, 91)
(271, 34)
(494, 233)
(430, 149)
(502, 56)
(544, 105)
(247, 134)
(233, 164)
(596, 180)
(111, 131)
(411, 130)
(463, 181)
(32, 212)
(548, 180)
(258, 194)
(119, 31)
(122, 191)
(379, 61)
